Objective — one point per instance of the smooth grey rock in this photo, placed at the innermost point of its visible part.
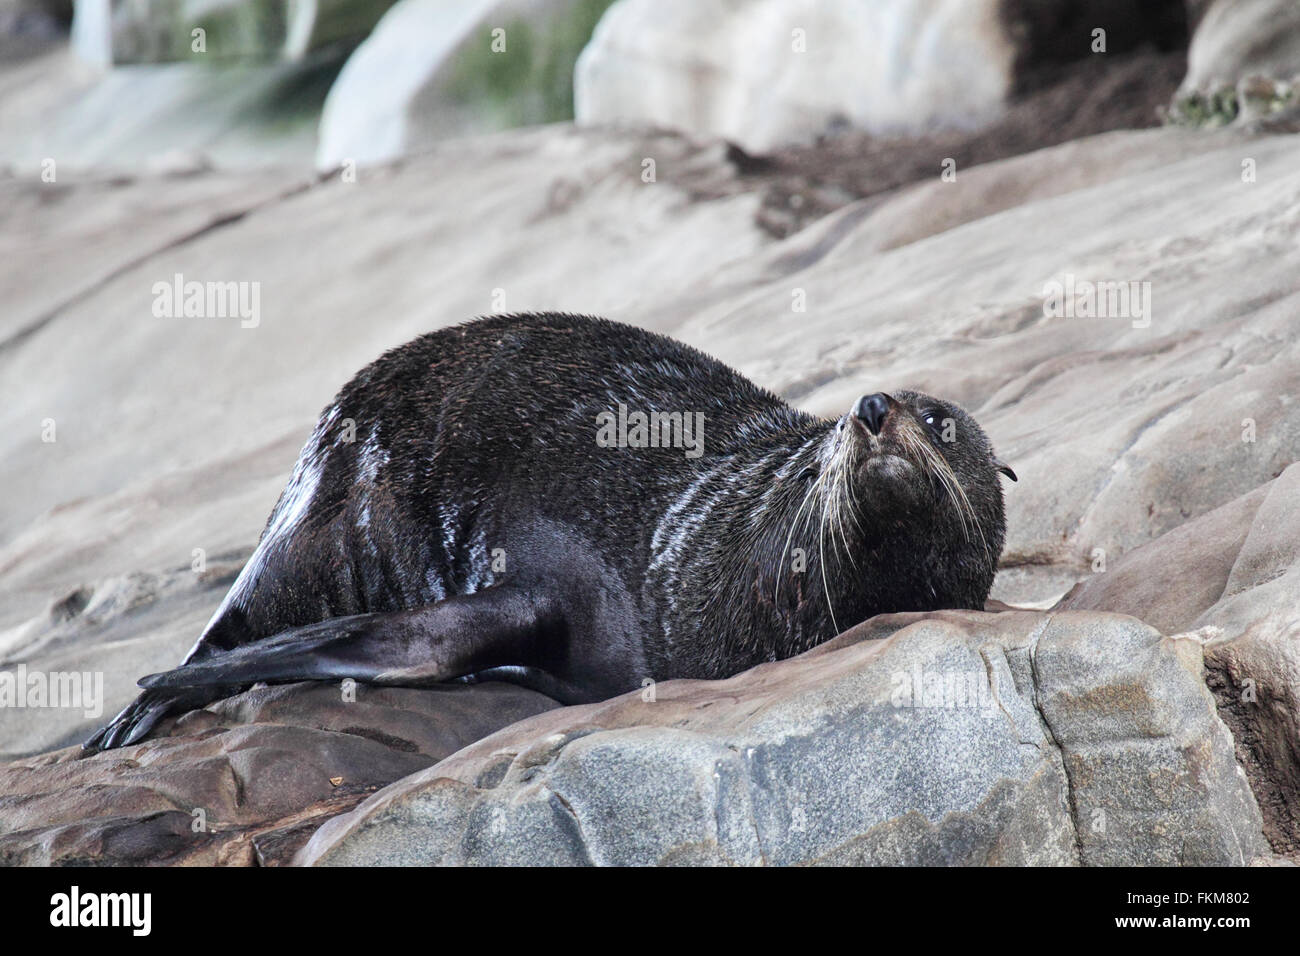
(1231, 577)
(961, 738)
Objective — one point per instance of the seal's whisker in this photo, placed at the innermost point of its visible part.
(843, 491)
(810, 496)
(821, 560)
(853, 500)
(939, 467)
(932, 463)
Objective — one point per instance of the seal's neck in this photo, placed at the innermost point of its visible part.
(755, 539)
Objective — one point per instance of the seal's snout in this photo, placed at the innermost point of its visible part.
(871, 410)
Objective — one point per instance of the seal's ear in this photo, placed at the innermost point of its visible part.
(1003, 467)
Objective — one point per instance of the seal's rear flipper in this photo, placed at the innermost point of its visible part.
(490, 628)
(140, 716)
(495, 627)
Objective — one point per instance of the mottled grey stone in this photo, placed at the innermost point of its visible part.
(1037, 739)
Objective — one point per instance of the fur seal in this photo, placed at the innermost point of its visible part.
(578, 505)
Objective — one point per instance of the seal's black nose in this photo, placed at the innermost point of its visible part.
(872, 409)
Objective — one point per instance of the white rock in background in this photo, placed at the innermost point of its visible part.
(1243, 66)
(92, 32)
(246, 115)
(366, 115)
(731, 69)
(429, 70)
(105, 32)
(1240, 38)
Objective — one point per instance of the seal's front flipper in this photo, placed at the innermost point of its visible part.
(495, 627)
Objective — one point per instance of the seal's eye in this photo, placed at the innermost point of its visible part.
(932, 418)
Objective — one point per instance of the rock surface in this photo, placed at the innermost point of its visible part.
(804, 183)
(960, 739)
(244, 782)
(1233, 576)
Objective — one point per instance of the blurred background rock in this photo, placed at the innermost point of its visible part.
(110, 83)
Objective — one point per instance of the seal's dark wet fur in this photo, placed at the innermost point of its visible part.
(452, 515)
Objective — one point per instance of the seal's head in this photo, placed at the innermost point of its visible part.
(910, 495)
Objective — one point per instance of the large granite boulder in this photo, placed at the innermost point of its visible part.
(779, 71)
(958, 738)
